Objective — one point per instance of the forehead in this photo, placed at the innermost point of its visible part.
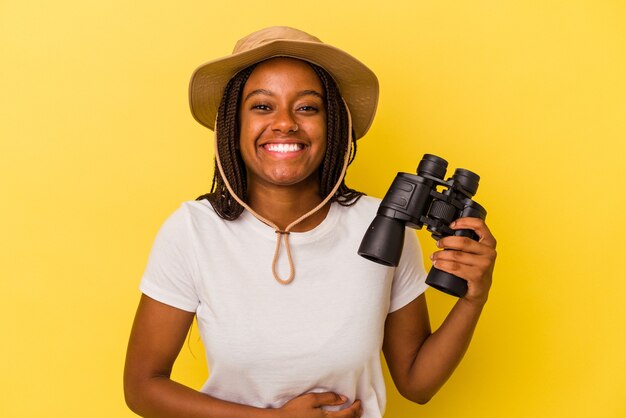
(284, 71)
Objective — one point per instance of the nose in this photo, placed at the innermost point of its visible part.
(284, 122)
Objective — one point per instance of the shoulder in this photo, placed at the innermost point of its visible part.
(190, 214)
(366, 206)
(196, 209)
(358, 216)
(368, 202)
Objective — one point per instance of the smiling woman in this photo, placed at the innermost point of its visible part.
(230, 189)
(287, 110)
(283, 132)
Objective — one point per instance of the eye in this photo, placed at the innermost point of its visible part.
(260, 106)
(308, 108)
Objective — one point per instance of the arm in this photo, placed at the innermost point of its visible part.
(419, 361)
(157, 336)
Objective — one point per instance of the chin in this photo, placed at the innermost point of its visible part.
(291, 179)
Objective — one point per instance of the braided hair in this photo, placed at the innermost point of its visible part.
(227, 126)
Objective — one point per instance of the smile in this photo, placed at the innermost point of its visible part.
(283, 147)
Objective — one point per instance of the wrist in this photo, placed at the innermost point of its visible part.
(274, 413)
(476, 304)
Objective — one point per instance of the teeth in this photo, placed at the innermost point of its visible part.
(283, 147)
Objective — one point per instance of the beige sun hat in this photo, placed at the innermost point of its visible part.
(357, 83)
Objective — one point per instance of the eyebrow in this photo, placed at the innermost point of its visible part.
(258, 92)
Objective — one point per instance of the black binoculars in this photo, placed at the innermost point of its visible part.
(414, 201)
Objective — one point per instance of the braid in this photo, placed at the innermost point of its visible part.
(336, 144)
(227, 126)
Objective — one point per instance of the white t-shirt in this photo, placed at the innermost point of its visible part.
(266, 342)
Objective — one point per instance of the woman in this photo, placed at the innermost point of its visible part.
(305, 342)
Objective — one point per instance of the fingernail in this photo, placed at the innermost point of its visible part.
(343, 398)
(438, 244)
(432, 256)
(452, 224)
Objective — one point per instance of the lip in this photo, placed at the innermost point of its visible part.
(282, 153)
(281, 141)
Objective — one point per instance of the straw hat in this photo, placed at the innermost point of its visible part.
(357, 83)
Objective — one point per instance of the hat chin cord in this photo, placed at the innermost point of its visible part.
(284, 234)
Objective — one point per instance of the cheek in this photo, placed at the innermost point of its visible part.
(247, 138)
(320, 134)
(322, 153)
(323, 143)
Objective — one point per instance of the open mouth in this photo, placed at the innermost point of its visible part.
(283, 148)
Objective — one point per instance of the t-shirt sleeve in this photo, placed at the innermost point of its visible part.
(409, 280)
(169, 277)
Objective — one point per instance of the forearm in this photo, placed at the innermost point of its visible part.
(420, 362)
(442, 351)
(160, 397)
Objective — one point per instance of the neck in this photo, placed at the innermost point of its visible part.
(283, 205)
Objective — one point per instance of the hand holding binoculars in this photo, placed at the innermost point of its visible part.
(414, 201)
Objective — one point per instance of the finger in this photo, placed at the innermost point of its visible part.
(327, 399)
(354, 411)
(466, 245)
(453, 256)
(469, 255)
(466, 266)
(479, 226)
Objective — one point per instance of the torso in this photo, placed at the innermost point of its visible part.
(267, 343)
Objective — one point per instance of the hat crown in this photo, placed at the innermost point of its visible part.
(274, 33)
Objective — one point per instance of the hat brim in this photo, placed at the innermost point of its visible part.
(357, 84)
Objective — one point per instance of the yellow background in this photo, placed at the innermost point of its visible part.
(98, 148)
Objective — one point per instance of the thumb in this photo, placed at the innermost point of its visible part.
(328, 398)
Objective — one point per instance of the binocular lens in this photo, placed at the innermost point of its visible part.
(433, 166)
(467, 179)
(383, 241)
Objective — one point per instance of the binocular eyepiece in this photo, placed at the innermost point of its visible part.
(414, 201)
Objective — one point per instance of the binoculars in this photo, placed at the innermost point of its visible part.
(414, 201)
